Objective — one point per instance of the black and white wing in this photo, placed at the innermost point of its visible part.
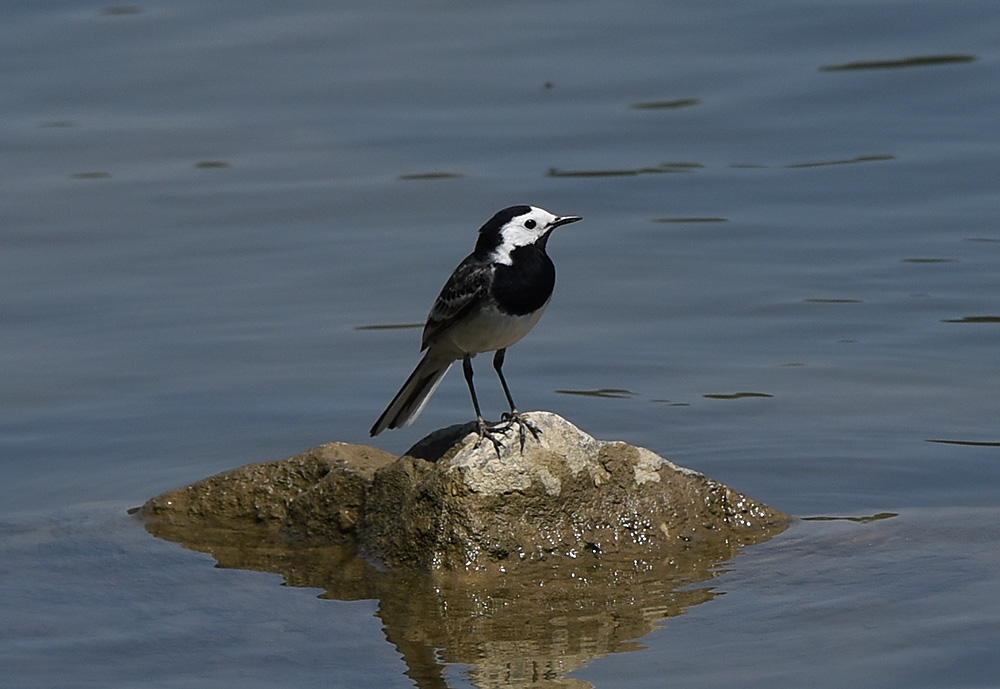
(464, 291)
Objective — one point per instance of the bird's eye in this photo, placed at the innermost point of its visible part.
(530, 224)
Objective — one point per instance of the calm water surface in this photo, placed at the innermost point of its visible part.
(788, 277)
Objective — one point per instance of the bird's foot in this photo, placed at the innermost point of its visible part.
(489, 432)
(514, 416)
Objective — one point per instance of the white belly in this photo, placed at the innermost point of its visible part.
(490, 330)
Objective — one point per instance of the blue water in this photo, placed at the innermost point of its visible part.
(205, 203)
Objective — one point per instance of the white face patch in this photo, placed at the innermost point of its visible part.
(521, 231)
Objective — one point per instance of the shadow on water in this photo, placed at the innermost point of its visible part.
(608, 393)
(915, 61)
(529, 628)
(662, 168)
(665, 104)
(867, 519)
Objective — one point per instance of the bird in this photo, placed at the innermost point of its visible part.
(493, 298)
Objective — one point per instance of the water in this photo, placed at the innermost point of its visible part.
(204, 204)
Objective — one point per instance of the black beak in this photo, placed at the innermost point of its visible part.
(565, 220)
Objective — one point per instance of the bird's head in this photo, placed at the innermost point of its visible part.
(515, 227)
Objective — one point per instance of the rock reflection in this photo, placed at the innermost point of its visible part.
(524, 629)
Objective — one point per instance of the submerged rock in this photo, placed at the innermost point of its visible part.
(454, 504)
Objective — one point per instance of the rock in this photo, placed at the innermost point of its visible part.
(317, 494)
(522, 567)
(451, 504)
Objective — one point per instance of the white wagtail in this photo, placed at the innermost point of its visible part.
(492, 300)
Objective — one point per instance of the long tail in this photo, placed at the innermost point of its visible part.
(412, 397)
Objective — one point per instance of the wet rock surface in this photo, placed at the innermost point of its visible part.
(317, 494)
(522, 567)
(453, 503)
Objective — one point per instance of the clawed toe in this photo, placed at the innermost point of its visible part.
(490, 431)
(515, 416)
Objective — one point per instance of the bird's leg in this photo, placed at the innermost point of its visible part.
(514, 416)
(483, 428)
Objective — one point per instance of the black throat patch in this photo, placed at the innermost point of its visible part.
(526, 284)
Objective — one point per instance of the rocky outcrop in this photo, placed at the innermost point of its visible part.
(521, 567)
(453, 503)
